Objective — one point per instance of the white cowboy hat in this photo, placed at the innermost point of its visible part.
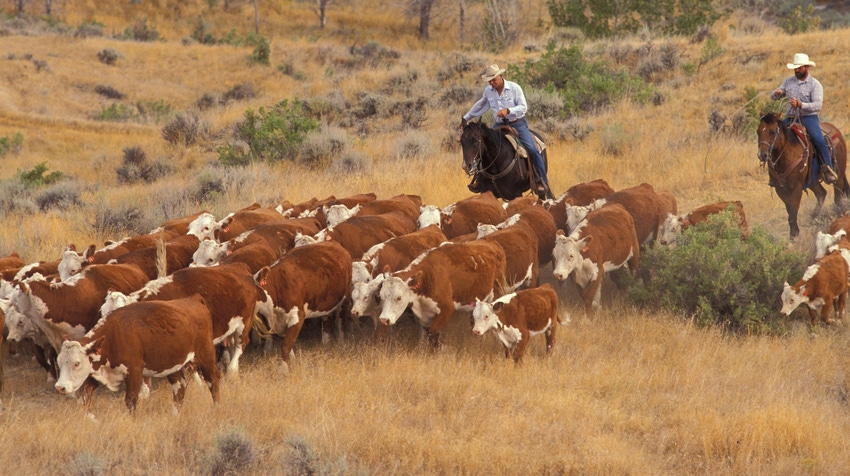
(491, 72)
(800, 59)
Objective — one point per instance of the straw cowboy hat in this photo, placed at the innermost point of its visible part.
(800, 59)
(493, 70)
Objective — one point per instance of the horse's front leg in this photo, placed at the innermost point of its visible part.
(820, 195)
(791, 199)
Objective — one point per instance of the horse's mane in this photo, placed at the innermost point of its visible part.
(789, 135)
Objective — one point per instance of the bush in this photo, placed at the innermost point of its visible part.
(107, 56)
(89, 29)
(118, 221)
(205, 102)
(116, 113)
(271, 134)
(412, 144)
(350, 162)
(800, 20)
(240, 92)
(329, 108)
(14, 144)
(202, 32)
(35, 178)
(61, 196)
(453, 66)
(108, 92)
(140, 31)
(235, 454)
(15, 196)
(155, 110)
(303, 459)
(262, 51)
(137, 168)
(720, 279)
(411, 111)
(323, 146)
(185, 128)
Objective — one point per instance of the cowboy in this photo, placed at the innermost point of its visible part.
(507, 100)
(805, 95)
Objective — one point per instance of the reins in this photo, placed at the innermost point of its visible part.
(479, 158)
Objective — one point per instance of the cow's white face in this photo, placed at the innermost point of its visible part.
(209, 253)
(336, 214)
(203, 227)
(566, 256)
(75, 366)
(19, 325)
(670, 230)
(825, 240)
(114, 300)
(360, 272)
(792, 298)
(484, 317)
(71, 264)
(428, 215)
(301, 239)
(395, 296)
(575, 214)
(364, 296)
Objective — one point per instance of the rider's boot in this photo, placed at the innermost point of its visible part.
(829, 175)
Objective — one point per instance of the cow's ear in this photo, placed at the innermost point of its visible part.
(416, 281)
(65, 337)
(387, 269)
(71, 247)
(560, 232)
(94, 346)
(89, 253)
(497, 306)
(328, 237)
(804, 291)
(262, 275)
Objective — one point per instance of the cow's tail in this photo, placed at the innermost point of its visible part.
(161, 262)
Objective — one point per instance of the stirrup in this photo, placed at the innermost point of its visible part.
(829, 175)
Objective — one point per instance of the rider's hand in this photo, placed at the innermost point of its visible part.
(502, 113)
(462, 123)
(778, 92)
(795, 102)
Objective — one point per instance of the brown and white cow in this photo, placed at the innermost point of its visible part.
(540, 221)
(20, 328)
(308, 282)
(604, 241)
(181, 225)
(178, 254)
(521, 203)
(243, 220)
(72, 262)
(822, 287)
(406, 204)
(229, 291)
(144, 339)
(516, 317)
(644, 205)
(521, 263)
(581, 194)
(72, 307)
(306, 208)
(392, 255)
(359, 234)
(11, 261)
(463, 216)
(442, 280)
(674, 225)
(835, 234)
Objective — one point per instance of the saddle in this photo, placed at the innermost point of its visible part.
(815, 158)
(526, 168)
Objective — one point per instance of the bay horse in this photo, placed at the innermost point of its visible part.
(791, 166)
(492, 161)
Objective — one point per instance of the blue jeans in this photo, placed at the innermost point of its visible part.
(812, 125)
(527, 140)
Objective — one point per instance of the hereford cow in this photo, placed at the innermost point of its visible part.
(406, 204)
(581, 194)
(21, 327)
(144, 339)
(181, 225)
(72, 262)
(674, 225)
(521, 203)
(604, 241)
(463, 216)
(178, 255)
(439, 279)
(835, 234)
(823, 286)
(310, 281)
(520, 245)
(228, 290)
(342, 203)
(516, 317)
(540, 221)
(670, 204)
(72, 307)
(645, 207)
(11, 261)
(358, 234)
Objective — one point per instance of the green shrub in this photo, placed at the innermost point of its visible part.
(36, 178)
(89, 29)
(140, 31)
(720, 279)
(116, 112)
(262, 51)
(13, 144)
(155, 110)
(583, 84)
(756, 106)
(271, 134)
(800, 20)
(303, 459)
(202, 32)
(136, 167)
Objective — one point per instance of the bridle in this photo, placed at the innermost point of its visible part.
(479, 157)
(774, 157)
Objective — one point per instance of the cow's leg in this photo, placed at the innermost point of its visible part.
(133, 383)
(86, 392)
(178, 388)
(826, 311)
(205, 364)
(289, 338)
(841, 306)
(519, 349)
(327, 329)
(441, 320)
(237, 346)
(41, 356)
(592, 293)
(550, 335)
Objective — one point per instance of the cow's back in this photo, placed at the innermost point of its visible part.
(471, 270)
(359, 233)
(580, 194)
(645, 207)
(317, 274)
(613, 230)
(540, 221)
(466, 214)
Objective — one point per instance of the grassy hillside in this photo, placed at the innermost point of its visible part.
(626, 392)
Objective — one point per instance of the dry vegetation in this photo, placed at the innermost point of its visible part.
(626, 392)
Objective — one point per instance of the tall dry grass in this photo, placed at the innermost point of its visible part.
(628, 392)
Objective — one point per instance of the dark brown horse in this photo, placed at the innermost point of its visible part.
(490, 158)
(791, 168)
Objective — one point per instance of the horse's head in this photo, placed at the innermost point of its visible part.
(771, 135)
(472, 144)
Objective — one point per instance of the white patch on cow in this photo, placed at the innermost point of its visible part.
(825, 241)
(301, 239)
(844, 254)
(811, 271)
(152, 288)
(360, 272)
(511, 221)
(428, 215)
(234, 325)
(575, 215)
(483, 317)
(155, 373)
(395, 295)
(114, 244)
(114, 300)
(203, 227)
(336, 214)
(71, 281)
(74, 367)
(671, 229)
(309, 213)
(510, 336)
(364, 295)
(485, 229)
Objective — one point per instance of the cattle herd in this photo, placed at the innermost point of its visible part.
(190, 295)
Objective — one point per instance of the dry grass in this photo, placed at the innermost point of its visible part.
(625, 393)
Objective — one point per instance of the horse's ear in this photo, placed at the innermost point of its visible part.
(761, 113)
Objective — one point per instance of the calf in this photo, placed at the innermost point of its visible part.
(228, 290)
(435, 282)
(604, 241)
(835, 234)
(674, 225)
(823, 285)
(310, 281)
(518, 316)
(145, 339)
